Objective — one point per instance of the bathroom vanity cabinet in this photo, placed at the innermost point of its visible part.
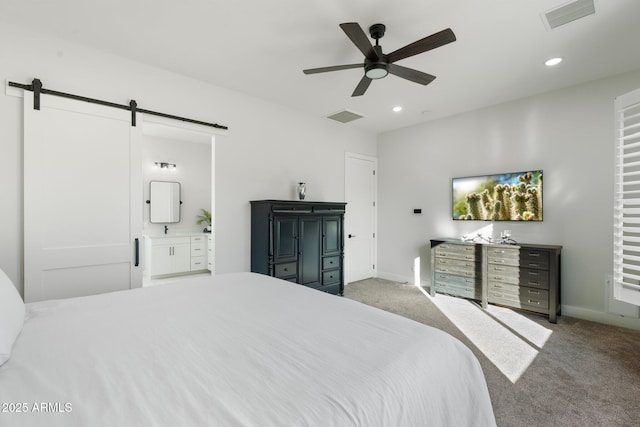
(176, 255)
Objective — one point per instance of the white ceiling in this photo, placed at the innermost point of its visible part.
(261, 47)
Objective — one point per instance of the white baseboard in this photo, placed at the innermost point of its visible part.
(601, 317)
(401, 279)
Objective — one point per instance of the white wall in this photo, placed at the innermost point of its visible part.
(568, 133)
(193, 172)
(269, 148)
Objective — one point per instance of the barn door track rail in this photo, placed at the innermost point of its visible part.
(37, 89)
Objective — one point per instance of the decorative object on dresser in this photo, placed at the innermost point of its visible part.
(302, 242)
(523, 276)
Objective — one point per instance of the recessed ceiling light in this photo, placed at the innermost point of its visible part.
(397, 108)
(553, 61)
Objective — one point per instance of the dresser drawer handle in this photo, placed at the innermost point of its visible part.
(533, 273)
(534, 253)
(498, 269)
(533, 302)
(468, 257)
(534, 292)
(534, 283)
(498, 278)
(497, 286)
(533, 264)
(469, 265)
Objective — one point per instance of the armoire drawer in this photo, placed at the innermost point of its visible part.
(330, 262)
(285, 270)
(330, 277)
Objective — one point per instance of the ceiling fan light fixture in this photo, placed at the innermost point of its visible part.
(553, 61)
(376, 71)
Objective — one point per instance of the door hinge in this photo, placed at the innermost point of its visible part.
(374, 171)
(374, 235)
(374, 203)
(374, 266)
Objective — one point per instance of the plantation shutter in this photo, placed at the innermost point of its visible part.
(626, 216)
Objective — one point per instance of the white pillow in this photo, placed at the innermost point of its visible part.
(11, 316)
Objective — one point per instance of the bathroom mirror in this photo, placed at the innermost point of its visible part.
(164, 202)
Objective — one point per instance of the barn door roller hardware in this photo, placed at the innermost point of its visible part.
(37, 89)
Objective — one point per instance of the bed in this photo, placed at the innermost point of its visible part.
(238, 349)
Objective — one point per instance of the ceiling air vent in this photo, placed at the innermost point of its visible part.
(569, 12)
(344, 116)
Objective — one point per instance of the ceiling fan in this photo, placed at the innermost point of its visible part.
(377, 64)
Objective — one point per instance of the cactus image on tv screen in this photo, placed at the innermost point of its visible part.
(501, 197)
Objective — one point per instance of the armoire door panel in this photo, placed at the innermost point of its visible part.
(310, 250)
(331, 241)
(286, 241)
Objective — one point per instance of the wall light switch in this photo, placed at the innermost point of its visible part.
(417, 211)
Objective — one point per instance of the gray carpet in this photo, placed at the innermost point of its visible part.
(585, 374)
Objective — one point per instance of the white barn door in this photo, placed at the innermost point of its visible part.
(82, 199)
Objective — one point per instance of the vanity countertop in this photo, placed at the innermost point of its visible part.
(176, 234)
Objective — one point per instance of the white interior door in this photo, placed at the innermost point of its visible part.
(360, 217)
(82, 199)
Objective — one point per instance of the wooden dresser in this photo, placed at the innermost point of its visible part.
(457, 269)
(523, 276)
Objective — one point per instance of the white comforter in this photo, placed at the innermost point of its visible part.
(235, 350)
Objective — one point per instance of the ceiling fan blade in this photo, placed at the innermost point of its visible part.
(430, 42)
(362, 86)
(411, 74)
(334, 68)
(354, 31)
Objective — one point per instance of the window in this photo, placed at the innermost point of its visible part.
(626, 214)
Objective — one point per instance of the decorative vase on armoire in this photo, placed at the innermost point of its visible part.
(302, 190)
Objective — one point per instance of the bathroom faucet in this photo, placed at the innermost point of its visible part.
(166, 229)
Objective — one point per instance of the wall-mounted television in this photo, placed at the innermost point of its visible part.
(513, 196)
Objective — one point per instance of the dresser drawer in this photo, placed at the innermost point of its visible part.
(534, 258)
(518, 296)
(330, 262)
(518, 276)
(503, 255)
(452, 288)
(459, 267)
(462, 252)
(451, 279)
(285, 270)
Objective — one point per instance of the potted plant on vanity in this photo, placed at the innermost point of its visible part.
(205, 218)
